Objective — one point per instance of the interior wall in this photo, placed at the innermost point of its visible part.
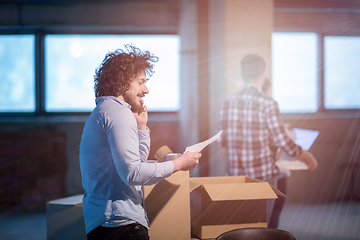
(337, 148)
(42, 162)
(238, 28)
(127, 16)
(189, 74)
(48, 153)
(322, 20)
(218, 79)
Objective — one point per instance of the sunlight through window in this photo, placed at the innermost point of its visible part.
(71, 60)
(17, 73)
(342, 72)
(295, 71)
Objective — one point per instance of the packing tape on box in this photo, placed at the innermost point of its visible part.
(161, 152)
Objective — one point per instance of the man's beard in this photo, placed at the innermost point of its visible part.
(136, 106)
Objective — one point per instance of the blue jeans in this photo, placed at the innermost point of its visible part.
(133, 231)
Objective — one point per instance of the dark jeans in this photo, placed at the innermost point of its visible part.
(133, 231)
(278, 205)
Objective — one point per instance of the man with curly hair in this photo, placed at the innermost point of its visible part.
(114, 148)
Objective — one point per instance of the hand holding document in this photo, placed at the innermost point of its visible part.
(200, 146)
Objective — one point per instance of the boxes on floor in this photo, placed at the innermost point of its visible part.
(220, 204)
(216, 204)
(167, 204)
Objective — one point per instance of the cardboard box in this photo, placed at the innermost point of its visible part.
(65, 219)
(211, 206)
(167, 204)
(220, 204)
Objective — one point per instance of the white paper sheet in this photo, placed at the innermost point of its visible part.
(200, 146)
(291, 164)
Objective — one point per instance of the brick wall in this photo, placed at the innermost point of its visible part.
(32, 167)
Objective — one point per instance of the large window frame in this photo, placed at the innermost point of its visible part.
(40, 111)
(40, 72)
(321, 75)
(322, 35)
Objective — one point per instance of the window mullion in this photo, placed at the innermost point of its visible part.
(321, 73)
(40, 73)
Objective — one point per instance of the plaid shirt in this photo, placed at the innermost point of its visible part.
(253, 130)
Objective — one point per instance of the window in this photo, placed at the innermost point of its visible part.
(295, 72)
(66, 65)
(71, 60)
(342, 72)
(315, 72)
(17, 73)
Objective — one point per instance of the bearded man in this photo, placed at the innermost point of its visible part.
(114, 148)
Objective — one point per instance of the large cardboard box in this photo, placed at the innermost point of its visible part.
(220, 204)
(65, 219)
(167, 204)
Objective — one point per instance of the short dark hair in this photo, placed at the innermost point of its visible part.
(119, 68)
(252, 66)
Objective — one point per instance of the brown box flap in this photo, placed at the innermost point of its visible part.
(240, 191)
(264, 188)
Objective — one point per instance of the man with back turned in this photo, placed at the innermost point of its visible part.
(253, 131)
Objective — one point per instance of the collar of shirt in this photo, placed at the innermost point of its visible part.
(101, 99)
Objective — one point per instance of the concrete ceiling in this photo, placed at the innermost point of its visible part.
(277, 3)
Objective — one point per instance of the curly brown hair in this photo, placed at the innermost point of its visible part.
(119, 68)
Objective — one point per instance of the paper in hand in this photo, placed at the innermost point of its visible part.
(291, 164)
(200, 146)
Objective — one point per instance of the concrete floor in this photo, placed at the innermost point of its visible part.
(22, 224)
(337, 221)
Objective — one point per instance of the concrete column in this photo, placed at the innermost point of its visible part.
(236, 28)
(189, 112)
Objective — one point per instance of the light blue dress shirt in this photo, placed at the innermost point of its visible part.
(113, 163)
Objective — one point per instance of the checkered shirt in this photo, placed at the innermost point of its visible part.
(253, 130)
